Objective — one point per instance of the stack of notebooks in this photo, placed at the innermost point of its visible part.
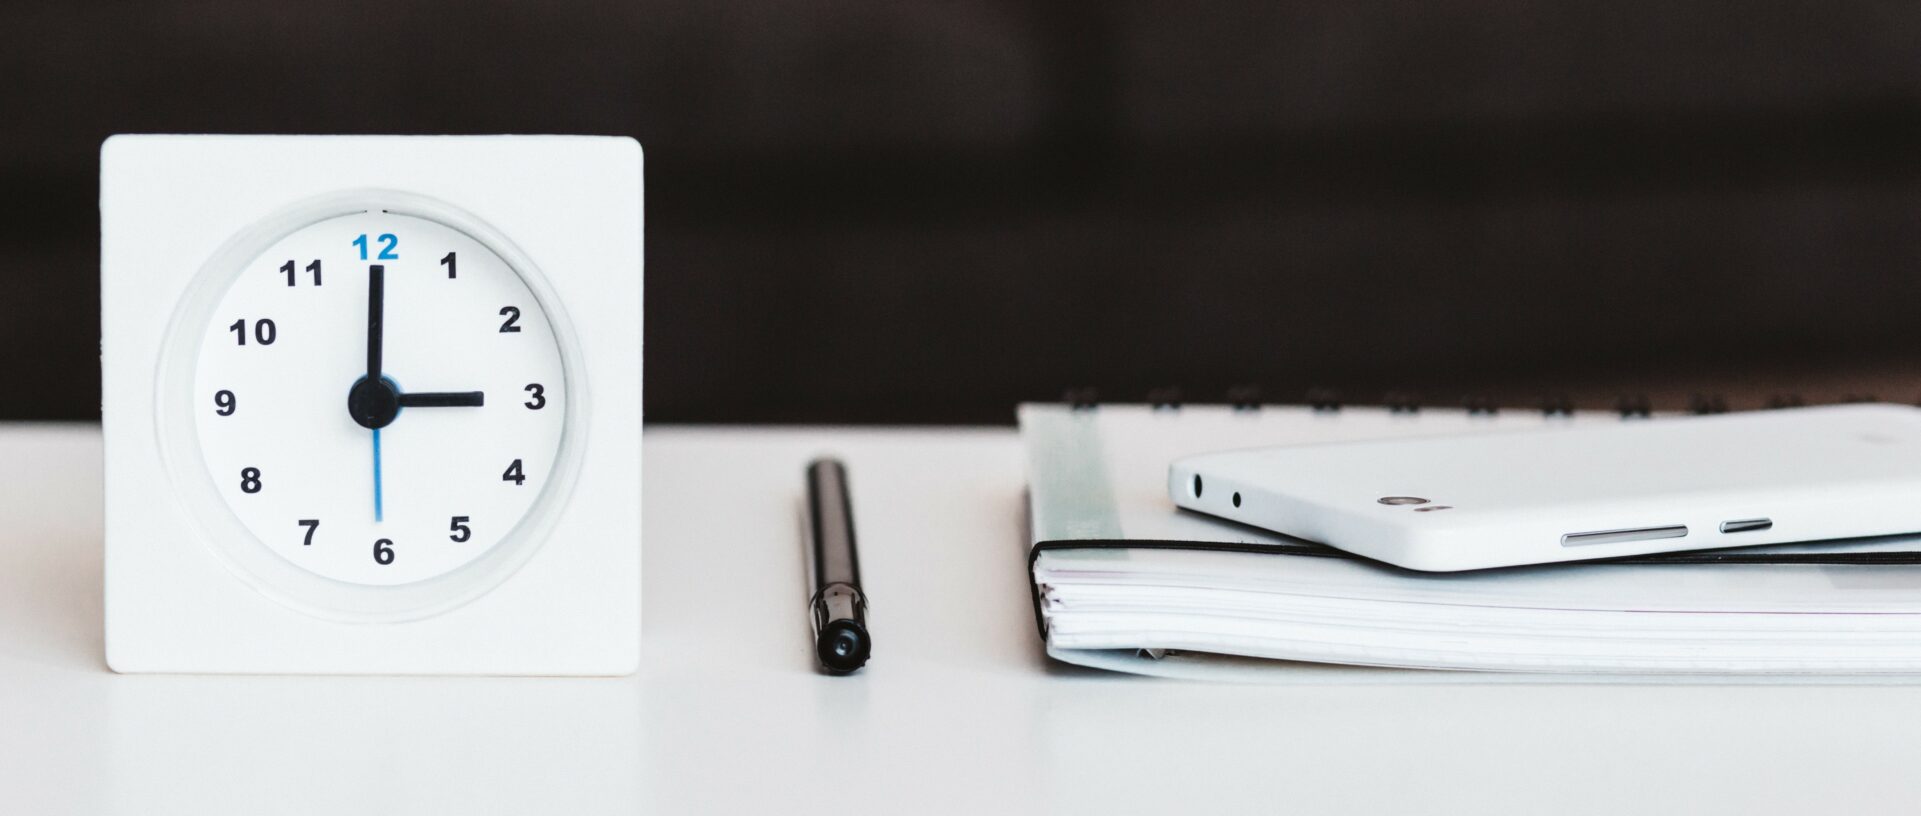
(1124, 580)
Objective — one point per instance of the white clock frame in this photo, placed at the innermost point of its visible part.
(188, 588)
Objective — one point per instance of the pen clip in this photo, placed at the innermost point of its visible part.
(837, 602)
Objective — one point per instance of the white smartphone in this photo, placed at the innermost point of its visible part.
(1575, 493)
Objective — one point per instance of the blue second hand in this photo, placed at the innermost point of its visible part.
(376, 474)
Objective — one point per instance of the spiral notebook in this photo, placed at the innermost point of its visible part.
(1123, 580)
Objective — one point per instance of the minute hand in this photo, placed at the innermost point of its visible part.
(443, 399)
(376, 303)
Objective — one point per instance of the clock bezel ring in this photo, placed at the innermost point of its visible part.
(234, 544)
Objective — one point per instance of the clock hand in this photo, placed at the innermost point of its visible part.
(377, 507)
(376, 310)
(373, 401)
(443, 399)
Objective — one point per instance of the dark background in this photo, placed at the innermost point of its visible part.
(873, 210)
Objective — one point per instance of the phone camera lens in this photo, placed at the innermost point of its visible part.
(1401, 500)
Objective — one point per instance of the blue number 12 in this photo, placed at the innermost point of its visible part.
(389, 242)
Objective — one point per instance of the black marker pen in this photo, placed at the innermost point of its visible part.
(840, 608)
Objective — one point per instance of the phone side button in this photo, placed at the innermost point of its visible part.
(1746, 525)
(1624, 536)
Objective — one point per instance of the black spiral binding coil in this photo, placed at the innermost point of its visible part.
(1249, 397)
(1244, 397)
(1701, 404)
(1633, 405)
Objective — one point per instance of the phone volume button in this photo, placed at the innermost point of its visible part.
(1624, 536)
(1747, 525)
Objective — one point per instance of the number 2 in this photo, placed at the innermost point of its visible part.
(389, 242)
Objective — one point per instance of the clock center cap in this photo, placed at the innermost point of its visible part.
(373, 403)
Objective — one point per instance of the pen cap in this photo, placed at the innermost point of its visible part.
(843, 646)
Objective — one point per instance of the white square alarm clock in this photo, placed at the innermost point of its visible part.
(372, 404)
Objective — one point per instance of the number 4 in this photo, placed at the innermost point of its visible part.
(514, 474)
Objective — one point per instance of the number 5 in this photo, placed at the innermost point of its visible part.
(461, 532)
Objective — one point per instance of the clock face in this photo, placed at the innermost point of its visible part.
(379, 398)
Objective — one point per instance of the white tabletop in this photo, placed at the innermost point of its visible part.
(958, 712)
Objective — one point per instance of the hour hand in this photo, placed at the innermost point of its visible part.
(443, 399)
